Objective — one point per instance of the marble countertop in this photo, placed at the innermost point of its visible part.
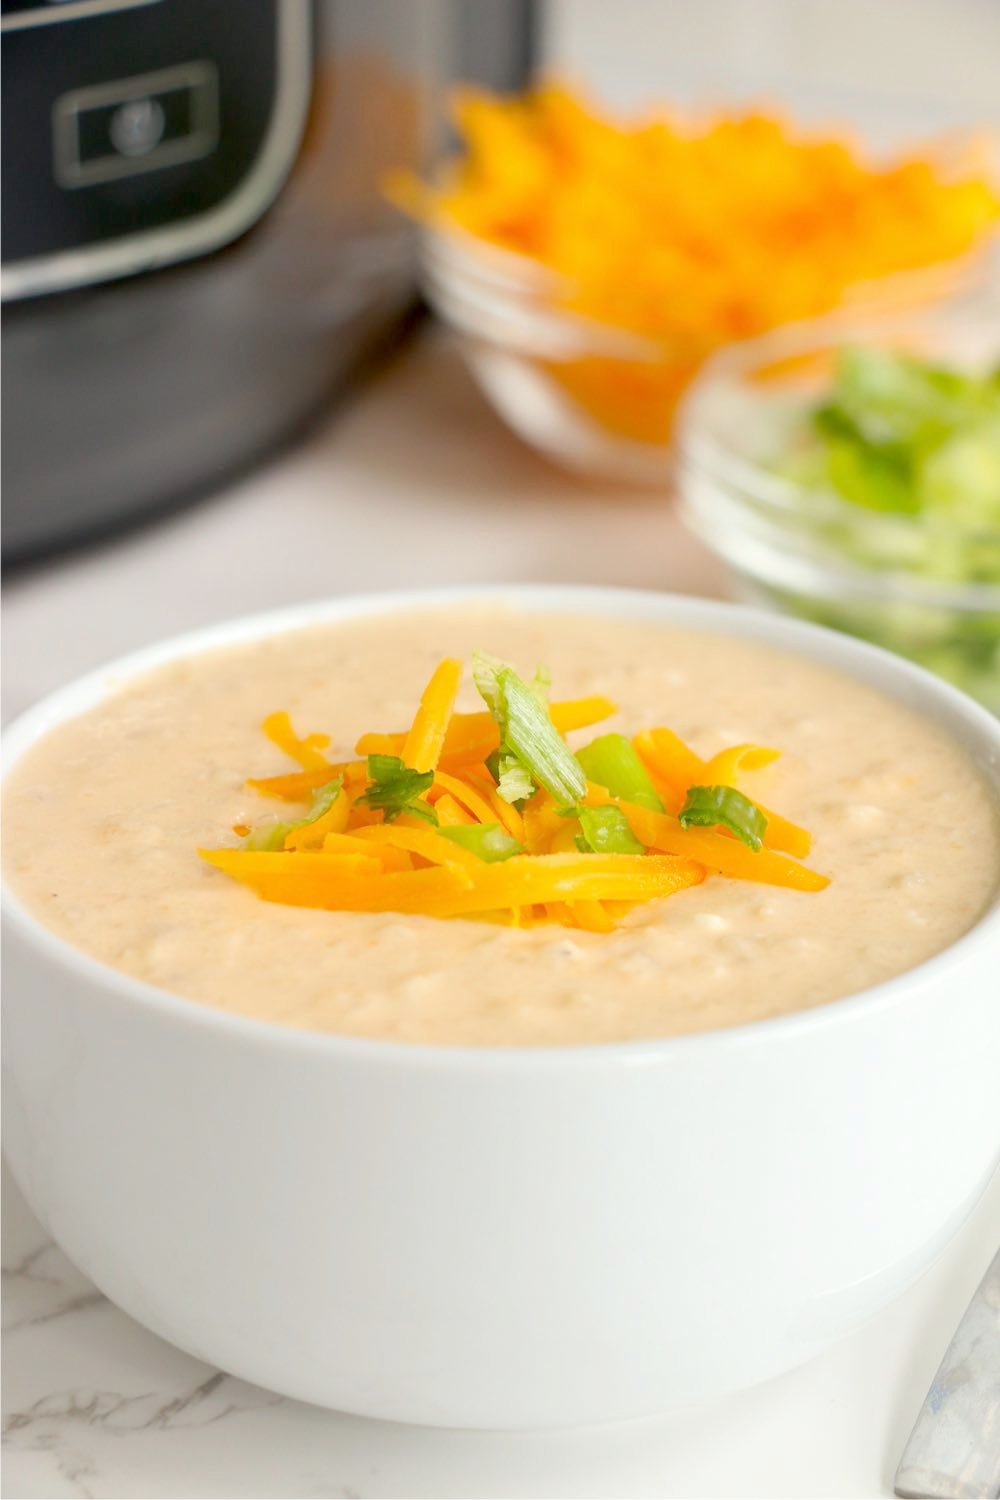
(414, 482)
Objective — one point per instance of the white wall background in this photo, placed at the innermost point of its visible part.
(896, 67)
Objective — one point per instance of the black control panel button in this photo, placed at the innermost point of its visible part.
(180, 116)
(114, 130)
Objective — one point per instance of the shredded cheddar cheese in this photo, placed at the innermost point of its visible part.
(449, 844)
(307, 751)
(425, 741)
(690, 232)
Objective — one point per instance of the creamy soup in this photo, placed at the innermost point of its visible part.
(104, 817)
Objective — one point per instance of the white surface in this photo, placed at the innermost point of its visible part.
(897, 69)
(94, 1405)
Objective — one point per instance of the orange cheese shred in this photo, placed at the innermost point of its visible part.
(311, 835)
(425, 741)
(426, 891)
(592, 916)
(392, 858)
(665, 754)
(475, 736)
(423, 841)
(380, 744)
(349, 883)
(467, 796)
(785, 836)
(249, 865)
(308, 751)
(581, 713)
(449, 813)
(716, 851)
(541, 822)
(525, 880)
(297, 786)
(507, 816)
(728, 766)
(563, 838)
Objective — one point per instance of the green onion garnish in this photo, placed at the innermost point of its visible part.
(541, 684)
(395, 788)
(612, 761)
(526, 732)
(491, 842)
(724, 807)
(605, 830)
(269, 836)
(513, 782)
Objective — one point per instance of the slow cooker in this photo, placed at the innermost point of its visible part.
(196, 247)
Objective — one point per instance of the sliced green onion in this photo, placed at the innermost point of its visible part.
(612, 761)
(513, 782)
(491, 842)
(724, 807)
(605, 830)
(541, 684)
(269, 836)
(396, 788)
(486, 671)
(878, 478)
(526, 731)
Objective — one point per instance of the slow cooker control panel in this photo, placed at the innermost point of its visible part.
(131, 125)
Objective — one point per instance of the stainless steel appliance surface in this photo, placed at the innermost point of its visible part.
(196, 248)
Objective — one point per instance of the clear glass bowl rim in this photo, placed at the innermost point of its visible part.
(749, 485)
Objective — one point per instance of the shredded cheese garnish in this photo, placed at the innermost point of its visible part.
(421, 828)
(425, 741)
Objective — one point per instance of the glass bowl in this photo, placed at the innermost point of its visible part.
(590, 396)
(921, 589)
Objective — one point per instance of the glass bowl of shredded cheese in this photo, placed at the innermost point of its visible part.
(591, 266)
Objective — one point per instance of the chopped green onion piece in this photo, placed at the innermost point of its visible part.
(605, 830)
(488, 840)
(612, 761)
(895, 398)
(724, 807)
(485, 674)
(526, 731)
(395, 788)
(540, 685)
(268, 836)
(513, 782)
(877, 477)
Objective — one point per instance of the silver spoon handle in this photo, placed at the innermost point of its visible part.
(954, 1449)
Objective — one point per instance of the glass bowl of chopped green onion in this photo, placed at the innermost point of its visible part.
(848, 471)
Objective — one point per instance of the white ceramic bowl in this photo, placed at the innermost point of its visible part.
(504, 1237)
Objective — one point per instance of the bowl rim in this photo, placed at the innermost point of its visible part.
(919, 689)
(461, 258)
